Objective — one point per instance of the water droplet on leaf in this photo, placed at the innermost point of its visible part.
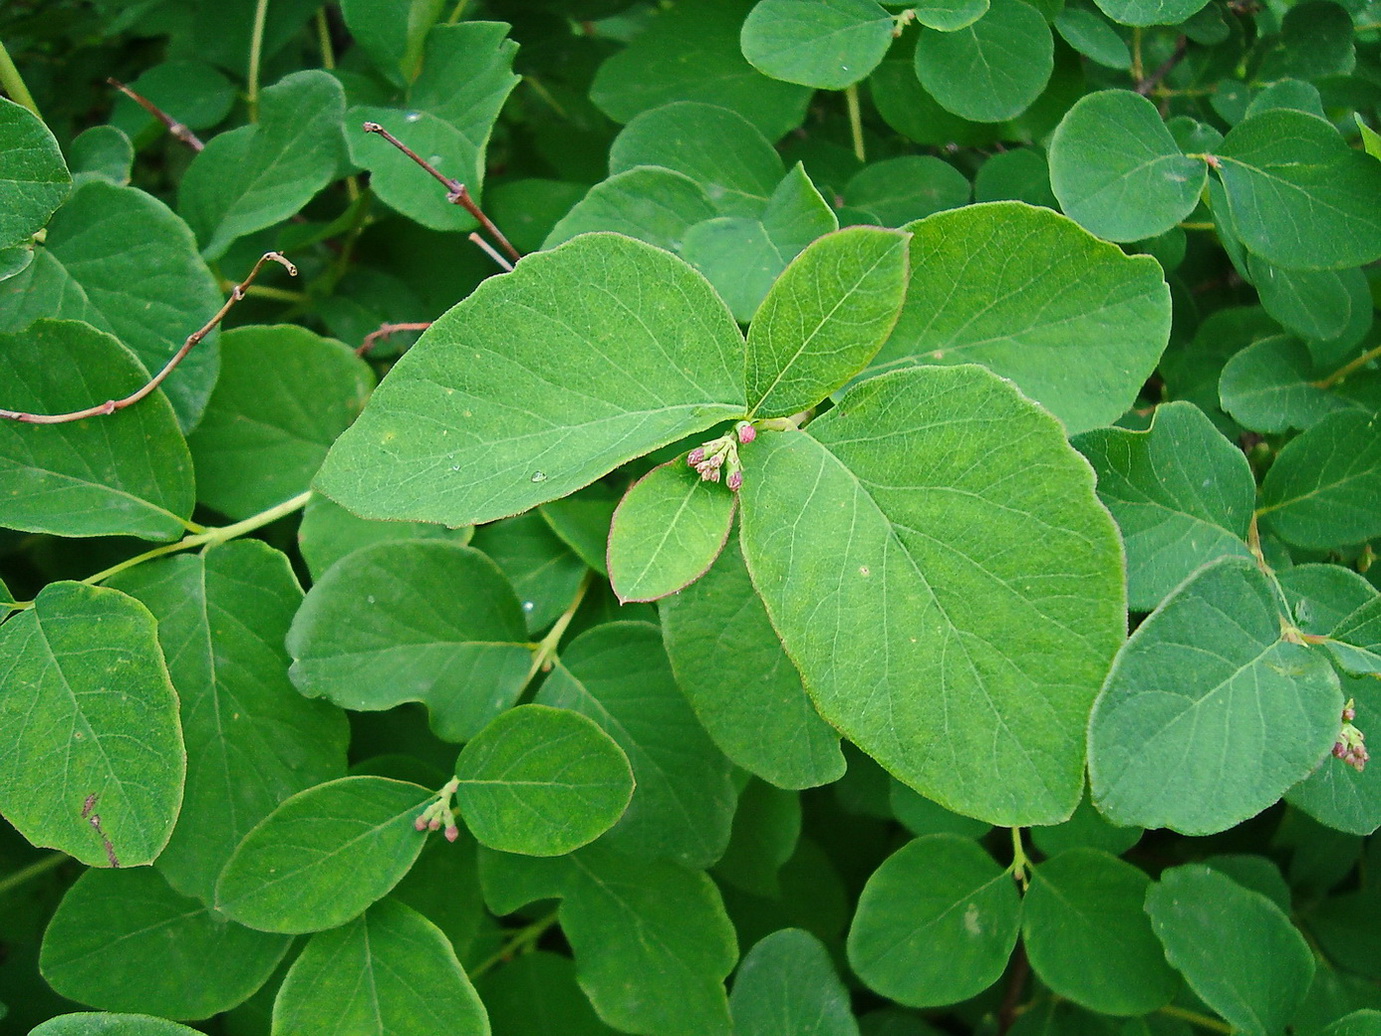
(412, 116)
(539, 476)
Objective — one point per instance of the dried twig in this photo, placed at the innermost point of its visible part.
(456, 192)
(384, 330)
(488, 250)
(112, 405)
(176, 128)
(1154, 79)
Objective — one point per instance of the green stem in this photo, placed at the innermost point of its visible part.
(1021, 864)
(11, 882)
(256, 51)
(545, 652)
(1195, 1018)
(855, 121)
(1347, 368)
(323, 39)
(13, 82)
(523, 939)
(457, 11)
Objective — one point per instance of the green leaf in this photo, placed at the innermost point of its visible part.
(691, 53)
(1087, 828)
(1299, 196)
(252, 740)
(392, 34)
(950, 15)
(825, 318)
(101, 152)
(450, 109)
(1315, 304)
(909, 108)
(258, 175)
(990, 70)
(1021, 174)
(581, 521)
(1371, 140)
(323, 855)
(1289, 93)
(175, 957)
(1335, 794)
(1208, 692)
(1181, 493)
(413, 620)
(120, 260)
(767, 830)
(124, 473)
(1237, 950)
(667, 531)
(389, 972)
(1117, 170)
(91, 1024)
(1272, 386)
(827, 45)
(620, 346)
(617, 674)
(1316, 40)
(34, 180)
(1358, 1023)
(651, 939)
(536, 994)
(1088, 937)
(91, 754)
(717, 148)
(787, 986)
(1094, 38)
(329, 532)
(899, 190)
(1324, 489)
(193, 91)
(1149, 12)
(935, 923)
(267, 427)
(744, 689)
(907, 500)
(544, 572)
(541, 781)
(1029, 294)
(1359, 629)
(921, 816)
(649, 203)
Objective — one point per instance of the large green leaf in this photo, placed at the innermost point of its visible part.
(1117, 170)
(92, 1024)
(252, 740)
(124, 941)
(541, 781)
(914, 500)
(1209, 692)
(324, 855)
(258, 175)
(536, 994)
(825, 318)
(392, 33)
(123, 262)
(827, 45)
(651, 939)
(413, 620)
(683, 805)
(263, 437)
(34, 179)
(1088, 937)
(618, 346)
(329, 532)
(748, 695)
(1237, 950)
(649, 203)
(1299, 196)
(451, 106)
(545, 573)
(910, 187)
(787, 986)
(1181, 493)
(1324, 489)
(935, 923)
(389, 972)
(1150, 12)
(691, 53)
(949, 15)
(992, 69)
(91, 754)
(124, 473)
(1029, 294)
(1316, 304)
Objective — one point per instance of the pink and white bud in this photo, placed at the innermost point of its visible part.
(746, 432)
(421, 822)
(434, 824)
(452, 832)
(734, 480)
(696, 457)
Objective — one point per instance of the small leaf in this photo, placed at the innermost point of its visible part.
(389, 972)
(992, 69)
(544, 572)
(413, 620)
(166, 942)
(1315, 304)
(824, 45)
(1117, 170)
(124, 473)
(1087, 828)
(1271, 386)
(622, 347)
(1150, 12)
(1324, 489)
(1335, 794)
(668, 530)
(658, 206)
(329, 532)
(255, 176)
(541, 781)
(91, 1024)
(34, 180)
(1094, 38)
(767, 830)
(391, 33)
(787, 986)
(324, 855)
(1237, 950)
(1208, 692)
(101, 152)
(950, 15)
(91, 754)
(535, 993)
(581, 521)
(899, 190)
(935, 923)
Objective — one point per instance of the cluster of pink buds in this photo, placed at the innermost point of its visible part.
(719, 457)
(439, 814)
(1351, 744)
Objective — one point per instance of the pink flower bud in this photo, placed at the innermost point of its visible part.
(712, 475)
(452, 833)
(746, 433)
(734, 480)
(1349, 713)
(420, 823)
(696, 456)
(434, 824)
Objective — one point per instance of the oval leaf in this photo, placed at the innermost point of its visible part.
(1324, 489)
(827, 45)
(787, 986)
(34, 179)
(992, 69)
(92, 1024)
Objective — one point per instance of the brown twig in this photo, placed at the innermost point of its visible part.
(456, 192)
(384, 330)
(112, 405)
(1011, 996)
(1154, 79)
(176, 128)
(488, 250)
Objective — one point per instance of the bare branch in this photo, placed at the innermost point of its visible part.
(1154, 79)
(488, 250)
(112, 405)
(384, 330)
(176, 128)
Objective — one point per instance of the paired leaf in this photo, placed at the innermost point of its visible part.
(91, 753)
(787, 986)
(992, 69)
(324, 855)
(1324, 489)
(827, 45)
(34, 179)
